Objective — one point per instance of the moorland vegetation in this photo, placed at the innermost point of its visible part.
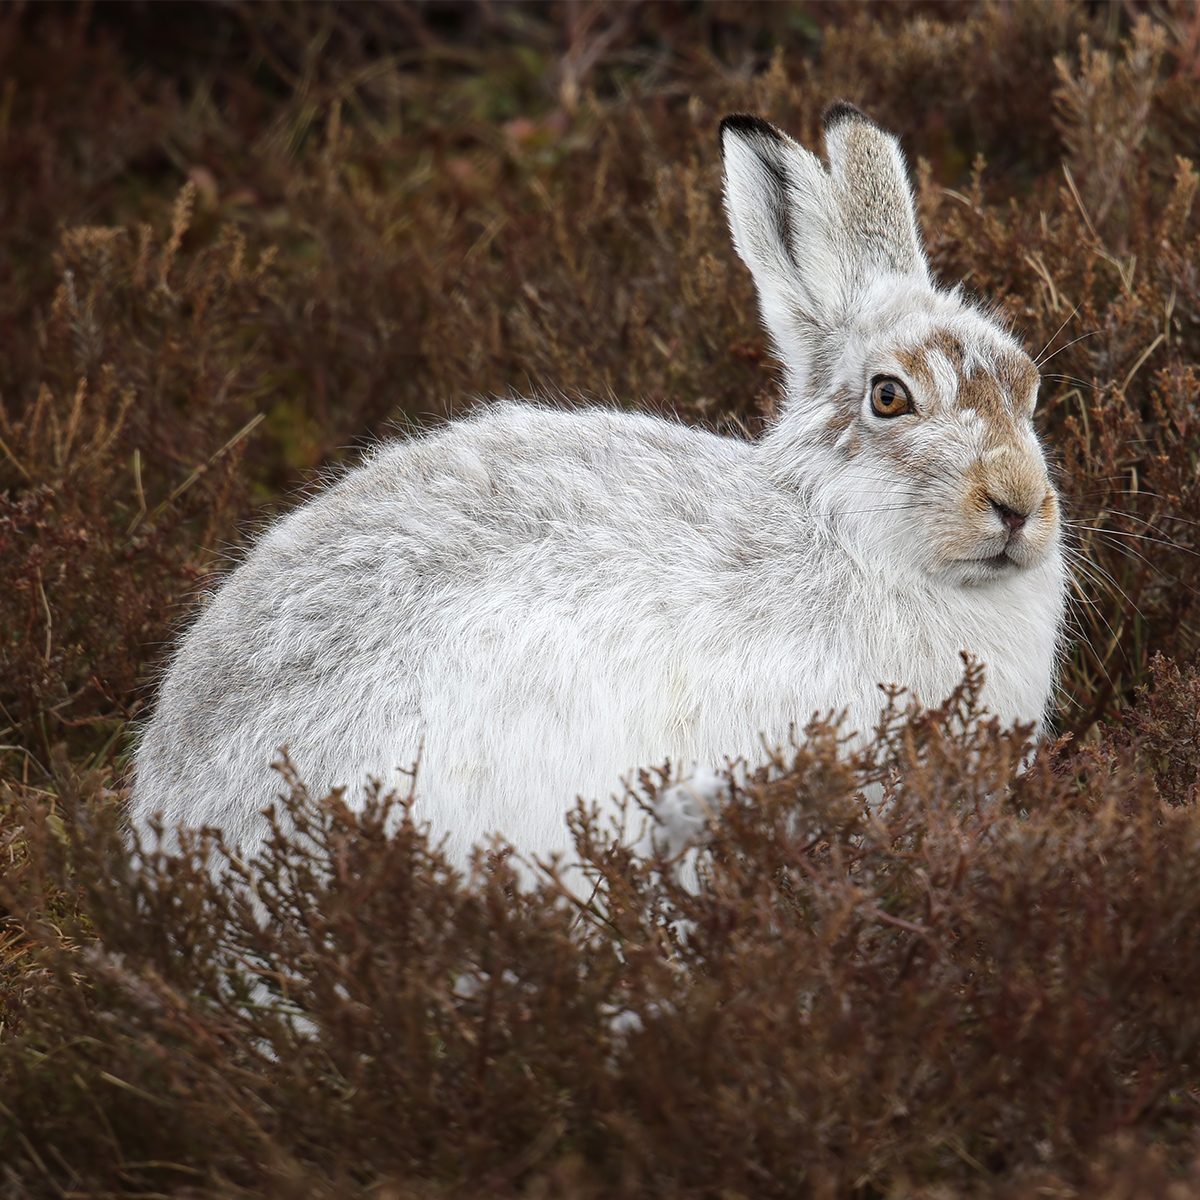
(236, 243)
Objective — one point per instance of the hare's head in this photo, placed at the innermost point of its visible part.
(909, 414)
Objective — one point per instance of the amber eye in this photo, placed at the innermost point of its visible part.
(889, 397)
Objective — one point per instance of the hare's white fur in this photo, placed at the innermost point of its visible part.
(537, 602)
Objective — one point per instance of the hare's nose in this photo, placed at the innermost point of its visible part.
(1010, 518)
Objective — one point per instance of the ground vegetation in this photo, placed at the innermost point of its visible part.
(237, 243)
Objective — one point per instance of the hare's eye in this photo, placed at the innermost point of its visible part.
(889, 397)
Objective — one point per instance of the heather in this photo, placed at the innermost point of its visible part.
(236, 245)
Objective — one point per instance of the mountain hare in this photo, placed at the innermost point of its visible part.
(536, 602)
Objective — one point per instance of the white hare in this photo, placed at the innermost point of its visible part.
(538, 601)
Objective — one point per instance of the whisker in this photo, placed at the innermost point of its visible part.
(1082, 567)
(1109, 630)
(1141, 537)
(1125, 514)
(1134, 552)
(1038, 362)
(1104, 578)
(867, 512)
(1038, 356)
(1077, 382)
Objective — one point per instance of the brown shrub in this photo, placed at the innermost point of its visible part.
(234, 241)
(990, 976)
(123, 462)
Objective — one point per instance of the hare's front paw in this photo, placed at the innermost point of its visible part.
(683, 811)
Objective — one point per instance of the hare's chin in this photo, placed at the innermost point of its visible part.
(999, 562)
(990, 568)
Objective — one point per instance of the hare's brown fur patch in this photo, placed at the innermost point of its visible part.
(841, 420)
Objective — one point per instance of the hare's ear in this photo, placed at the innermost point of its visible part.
(873, 193)
(814, 239)
(787, 226)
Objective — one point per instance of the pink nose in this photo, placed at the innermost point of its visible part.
(1011, 519)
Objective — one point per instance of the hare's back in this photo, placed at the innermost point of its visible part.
(351, 613)
(519, 472)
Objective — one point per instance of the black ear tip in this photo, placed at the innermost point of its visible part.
(745, 125)
(839, 111)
